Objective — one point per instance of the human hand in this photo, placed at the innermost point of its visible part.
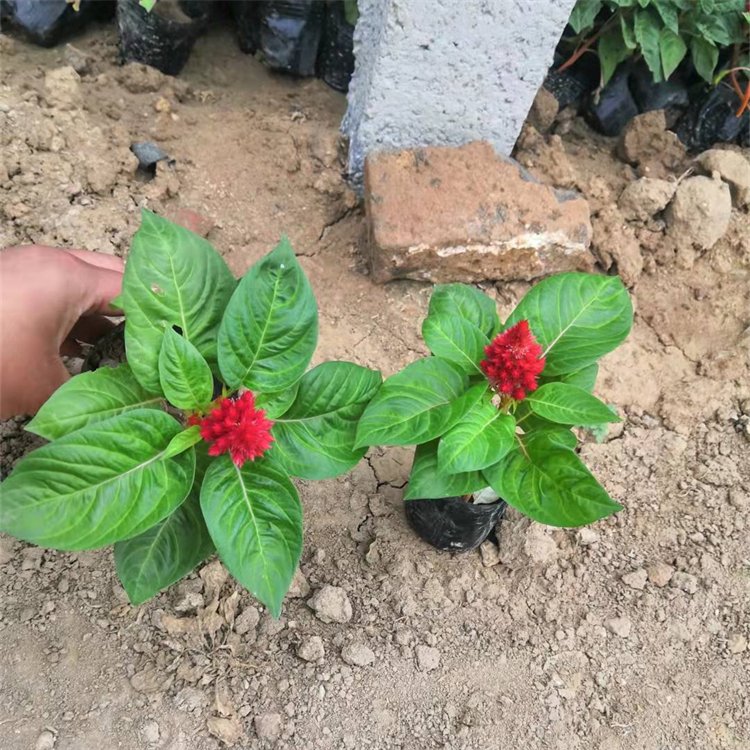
(50, 301)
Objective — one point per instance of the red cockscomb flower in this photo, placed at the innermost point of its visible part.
(236, 427)
(514, 360)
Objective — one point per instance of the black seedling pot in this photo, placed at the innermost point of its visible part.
(45, 22)
(162, 38)
(453, 524)
(336, 57)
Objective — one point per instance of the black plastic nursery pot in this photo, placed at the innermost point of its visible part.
(453, 524)
(162, 38)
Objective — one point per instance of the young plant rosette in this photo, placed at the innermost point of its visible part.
(495, 403)
(190, 447)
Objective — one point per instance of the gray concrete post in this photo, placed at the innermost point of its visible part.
(446, 72)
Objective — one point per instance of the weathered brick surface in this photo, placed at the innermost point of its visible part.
(465, 213)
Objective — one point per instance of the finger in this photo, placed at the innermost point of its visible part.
(90, 329)
(97, 288)
(101, 260)
(25, 396)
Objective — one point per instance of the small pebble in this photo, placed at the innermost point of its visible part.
(311, 649)
(660, 574)
(636, 580)
(45, 741)
(737, 643)
(428, 658)
(619, 626)
(685, 582)
(268, 726)
(357, 655)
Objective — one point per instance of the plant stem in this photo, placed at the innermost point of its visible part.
(584, 46)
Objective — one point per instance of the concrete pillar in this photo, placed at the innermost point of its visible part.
(445, 72)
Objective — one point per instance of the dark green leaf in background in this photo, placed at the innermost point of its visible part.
(427, 482)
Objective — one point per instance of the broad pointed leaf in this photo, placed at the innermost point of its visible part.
(583, 15)
(161, 555)
(275, 404)
(255, 520)
(547, 481)
(172, 278)
(567, 404)
(182, 441)
(270, 327)
(315, 437)
(91, 397)
(105, 482)
(480, 438)
(673, 49)
(415, 405)
(186, 378)
(577, 318)
(427, 482)
(451, 337)
(466, 302)
(647, 28)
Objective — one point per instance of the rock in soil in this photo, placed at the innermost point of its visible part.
(700, 212)
(357, 654)
(647, 144)
(268, 726)
(331, 604)
(45, 741)
(642, 199)
(227, 730)
(619, 626)
(466, 214)
(311, 649)
(428, 658)
(636, 579)
(62, 88)
(660, 574)
(734, 168)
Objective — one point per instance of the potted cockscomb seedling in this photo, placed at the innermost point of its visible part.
(189, 446)
(491, 411)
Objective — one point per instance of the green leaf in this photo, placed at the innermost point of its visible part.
(415, 405)
(673, 50)
(255, 520)
(105, 482)
(172, 278)
(147, 4)
(465, 302)
(91, 397)
(351, 12)
(583, 15)
(275, 404)
(480, 438)
(427, 482)
(185, 376)
(161, 555)
(455, 339)
(270, 326)
(568, 404)
(668, 12)
(182, 441)
(647, 28)
(548, 482)
(704, 55)
(577, 318)
(628, 34)
(315, 437)
(612, 51)
(584, 378)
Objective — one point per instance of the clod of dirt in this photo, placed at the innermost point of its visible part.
(140, 79)
(660, 574)
(619, 626)
(489, 553)
(700, 212)
(247, 621)
(734, 168)
(311, 649)
(737, 643)
(357, 655)
(615, 245)
(226, 730)
(62, 88)
(428, 658)
(685, 582)
(300, 588)
(150, 732)
(644, 198)
(636, 579)
(331, 604)
(268, 726)
(647, 144)
(45, 741)
(544, 110)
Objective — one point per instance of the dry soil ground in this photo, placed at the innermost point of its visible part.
(630, 635)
